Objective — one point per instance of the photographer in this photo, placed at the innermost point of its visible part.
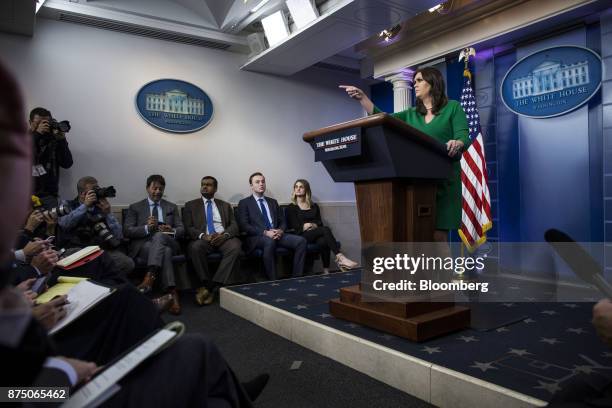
(91, 222)
(50, 153)
(41, 223)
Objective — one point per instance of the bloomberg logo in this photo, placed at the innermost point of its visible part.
(174, 106)
(552, 82)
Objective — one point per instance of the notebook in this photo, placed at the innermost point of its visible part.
(105, 384)
(81, 297)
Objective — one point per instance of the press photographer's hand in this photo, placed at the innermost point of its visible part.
(43, 127)
(34, 220)
(90, 198)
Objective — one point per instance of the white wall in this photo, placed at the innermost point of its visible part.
(91, 76)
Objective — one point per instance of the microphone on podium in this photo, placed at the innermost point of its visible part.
(581, 262)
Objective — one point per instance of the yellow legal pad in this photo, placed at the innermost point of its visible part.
(62, 287)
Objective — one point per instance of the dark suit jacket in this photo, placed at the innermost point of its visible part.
(251, 221)
(194, 218)
(136, 219)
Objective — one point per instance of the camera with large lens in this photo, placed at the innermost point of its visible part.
(105, 192)
(63, 126)
(57, 211)
(101, 230)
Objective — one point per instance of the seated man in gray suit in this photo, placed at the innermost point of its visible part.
(210, 225)
(261, 218)
(153, 225)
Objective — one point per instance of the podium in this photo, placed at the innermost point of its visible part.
(395, 168)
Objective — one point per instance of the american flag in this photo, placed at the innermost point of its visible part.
(476, 205)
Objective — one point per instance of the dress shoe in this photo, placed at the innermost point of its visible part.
(344, 263)
(254, 387)
(211, 297)
(175, 309)
(147, 283)
(201, 295)
(163, 303)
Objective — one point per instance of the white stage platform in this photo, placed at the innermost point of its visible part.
(433, 383)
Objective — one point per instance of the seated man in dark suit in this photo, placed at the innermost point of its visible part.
(261, 218)
(210, 224)
(153, 226)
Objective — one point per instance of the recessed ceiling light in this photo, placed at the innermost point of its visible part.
(39, 4)
(275, 27)
(303, 12)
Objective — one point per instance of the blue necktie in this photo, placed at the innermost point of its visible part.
(154, 212)
(209, 217)
(265, 214)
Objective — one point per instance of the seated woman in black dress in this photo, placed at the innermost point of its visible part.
(304, 217)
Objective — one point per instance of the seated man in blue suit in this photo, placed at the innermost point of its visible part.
(260, 217)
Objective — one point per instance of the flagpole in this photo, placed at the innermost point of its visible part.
(476, 204)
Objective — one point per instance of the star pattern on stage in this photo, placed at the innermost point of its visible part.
(519, 352)
(570, 305)
(483, 366)
(584, 369)
(578, 330)
(502, 330)
(467, 339)
(537, 358)
(550, 387)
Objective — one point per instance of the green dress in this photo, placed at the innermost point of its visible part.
(449, 124)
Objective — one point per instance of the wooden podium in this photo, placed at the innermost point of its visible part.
(395, 169)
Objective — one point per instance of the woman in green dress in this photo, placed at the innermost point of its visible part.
(445, 121)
